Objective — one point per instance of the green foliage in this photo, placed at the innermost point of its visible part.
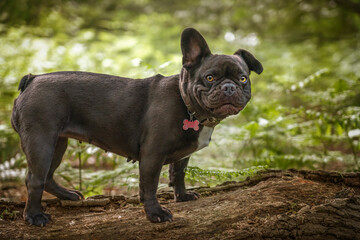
(311, 131)
(94, 182)
(304, 111)
(8, 214)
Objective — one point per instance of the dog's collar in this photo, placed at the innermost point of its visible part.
(208, 122)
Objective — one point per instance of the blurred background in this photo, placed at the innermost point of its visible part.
(305, 109)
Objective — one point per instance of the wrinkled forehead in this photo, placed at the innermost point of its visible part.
(230, 62)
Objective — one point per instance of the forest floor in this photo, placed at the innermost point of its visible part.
(271, 205)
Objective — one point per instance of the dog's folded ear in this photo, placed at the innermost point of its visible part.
(194, 48)
(250, 60)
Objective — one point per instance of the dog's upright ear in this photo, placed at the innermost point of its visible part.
(194, 48)
(250, 60)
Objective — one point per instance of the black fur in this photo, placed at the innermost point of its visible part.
(25, 80)
(251, 61)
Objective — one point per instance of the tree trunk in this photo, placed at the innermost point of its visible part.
(271, 205)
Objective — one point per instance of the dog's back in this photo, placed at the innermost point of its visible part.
(85, 106)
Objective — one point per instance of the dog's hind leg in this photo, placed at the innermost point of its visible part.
(39, 148)
(177, 175)
(51, 186)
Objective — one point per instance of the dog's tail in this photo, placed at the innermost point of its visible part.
(25, 81)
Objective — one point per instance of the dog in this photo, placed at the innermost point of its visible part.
(156, 121)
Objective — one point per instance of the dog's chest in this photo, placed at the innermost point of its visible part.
(202, 140)
(204, 137)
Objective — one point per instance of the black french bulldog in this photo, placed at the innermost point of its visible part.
(156, 121)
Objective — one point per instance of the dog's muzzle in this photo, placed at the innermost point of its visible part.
(229, 89)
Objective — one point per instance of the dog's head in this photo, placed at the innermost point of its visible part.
(218, 85)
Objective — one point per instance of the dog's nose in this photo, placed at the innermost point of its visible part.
(229, 89)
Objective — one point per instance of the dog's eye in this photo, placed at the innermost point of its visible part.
(243, 79)
(210, 78)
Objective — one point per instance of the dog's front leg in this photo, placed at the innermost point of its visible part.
(150, 168)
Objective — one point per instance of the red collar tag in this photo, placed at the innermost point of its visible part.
(191, 124)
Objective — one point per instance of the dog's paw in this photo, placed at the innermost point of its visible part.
(39, 219)
(159, 214)
(79, 195)
(189, 196)
(72, 195)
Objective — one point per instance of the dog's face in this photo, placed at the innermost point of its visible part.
(218, 84)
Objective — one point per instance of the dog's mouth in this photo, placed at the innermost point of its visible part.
(227, 109)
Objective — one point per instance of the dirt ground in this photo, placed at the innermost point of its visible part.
(271, 205)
